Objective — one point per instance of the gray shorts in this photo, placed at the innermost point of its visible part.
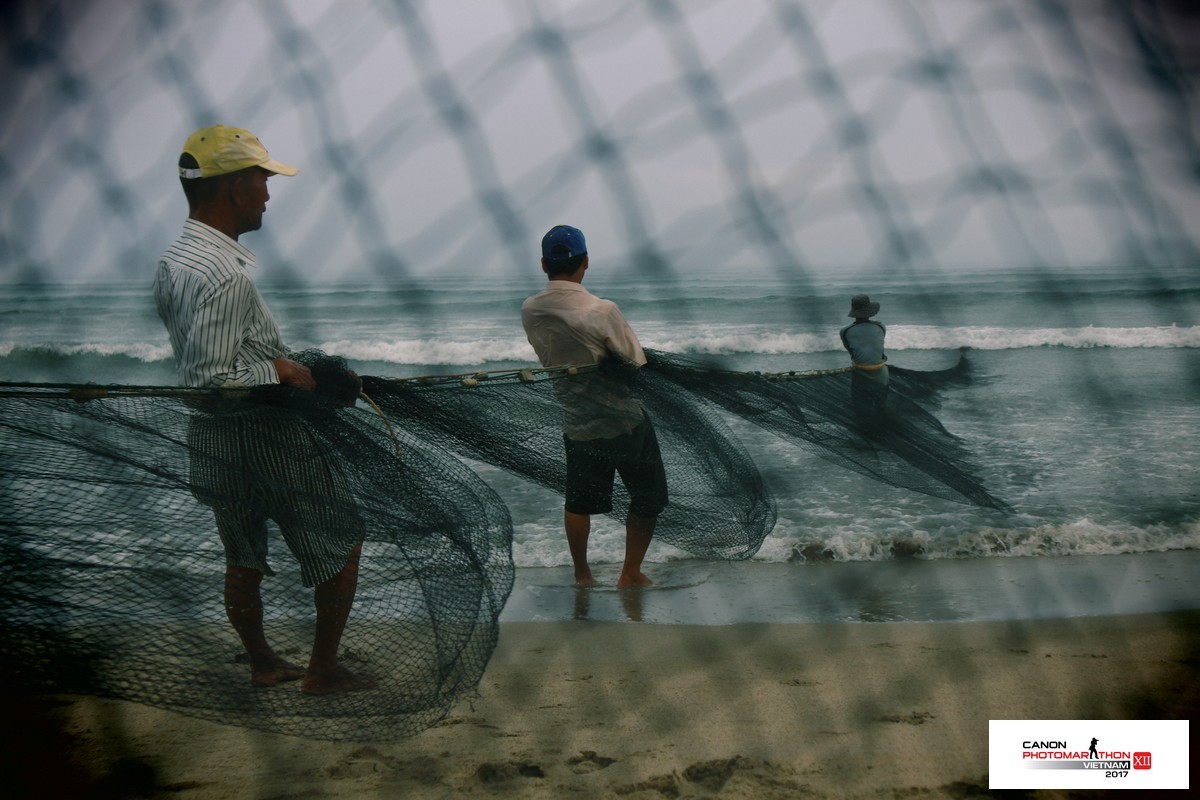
(254, 465)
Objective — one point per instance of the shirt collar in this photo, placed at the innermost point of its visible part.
(565, 286)
(196, 228)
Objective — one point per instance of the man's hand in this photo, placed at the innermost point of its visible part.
(294, 374)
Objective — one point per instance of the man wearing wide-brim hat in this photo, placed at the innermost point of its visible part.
(863, 338)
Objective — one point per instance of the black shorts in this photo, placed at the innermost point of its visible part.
(593, 464)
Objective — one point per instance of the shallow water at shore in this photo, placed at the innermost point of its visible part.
(908, 590)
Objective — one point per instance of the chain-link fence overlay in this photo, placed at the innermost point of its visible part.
(1015, 133)
(86, 485)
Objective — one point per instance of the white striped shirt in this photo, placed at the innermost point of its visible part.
(221, 331)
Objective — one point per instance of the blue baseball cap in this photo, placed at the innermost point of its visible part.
(562, 242)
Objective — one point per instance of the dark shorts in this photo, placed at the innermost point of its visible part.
(259, 465)
(592, 466)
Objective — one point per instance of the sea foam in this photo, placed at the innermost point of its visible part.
(509, 347)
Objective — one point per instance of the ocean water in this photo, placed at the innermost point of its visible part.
(1083, 415)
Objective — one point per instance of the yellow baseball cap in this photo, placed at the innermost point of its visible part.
(220, 149)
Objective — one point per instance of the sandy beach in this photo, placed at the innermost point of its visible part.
(586, 708)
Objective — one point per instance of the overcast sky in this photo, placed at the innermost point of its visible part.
(446, 137)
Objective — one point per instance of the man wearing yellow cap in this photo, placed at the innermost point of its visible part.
(252, 463)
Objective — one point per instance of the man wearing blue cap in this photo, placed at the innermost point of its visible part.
(605, 429)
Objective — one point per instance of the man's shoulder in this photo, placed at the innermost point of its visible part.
(574, 303)
(609, 306)
(606, 312)
(559, 294)
(860, 323)
(203, 259)
(876, 323)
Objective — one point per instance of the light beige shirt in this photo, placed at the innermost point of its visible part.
(569, 326)
(221, 331)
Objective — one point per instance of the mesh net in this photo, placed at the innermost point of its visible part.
(109, 495)
(107, 519)
(885, 434)
(718, 505)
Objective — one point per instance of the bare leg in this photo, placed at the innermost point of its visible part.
(334, 599)
(243, 606)
(638, 532)
(579, 527)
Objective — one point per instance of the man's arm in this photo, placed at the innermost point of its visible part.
(294, 374)
(621, 341)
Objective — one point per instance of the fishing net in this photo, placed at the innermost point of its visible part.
(718, 505)
(111, 572)
(885, 434)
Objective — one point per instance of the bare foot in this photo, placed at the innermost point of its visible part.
(627, 581)
(583, 578)
(275, 671)
(339, 679)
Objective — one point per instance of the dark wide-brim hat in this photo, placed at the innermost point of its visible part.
(861, 307)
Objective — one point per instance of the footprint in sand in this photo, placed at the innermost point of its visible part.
(588, 761)
(505, 771)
